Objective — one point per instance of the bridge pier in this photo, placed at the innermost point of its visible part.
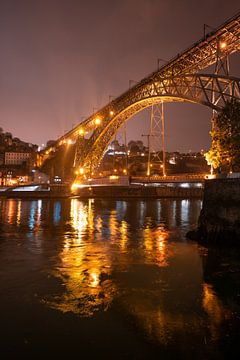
(219, 220)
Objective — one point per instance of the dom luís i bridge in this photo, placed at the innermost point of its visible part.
(182, 79)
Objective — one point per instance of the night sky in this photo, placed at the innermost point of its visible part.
(60, 59)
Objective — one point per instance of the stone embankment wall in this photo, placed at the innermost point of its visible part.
(219, 221)
(115, 192)
(139, 192)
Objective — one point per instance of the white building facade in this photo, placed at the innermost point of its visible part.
(16, 158)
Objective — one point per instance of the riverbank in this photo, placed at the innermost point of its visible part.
(115, 192)
(141, 191)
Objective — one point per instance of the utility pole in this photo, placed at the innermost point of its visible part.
(163, 141)
(148, 144)
(157, 130)
(221, 68)
(125, 143)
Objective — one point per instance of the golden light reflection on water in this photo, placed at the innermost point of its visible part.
(123, 235)
(156, 245)
(154, 316)
(113, 253)
(158, 323)
(85, 277)
(99, 224)
(78, 216)
(113, 225)
(11, 211)
(87, 259)
(84, 267)
(215, 310)
(19, 212)
(38, 215)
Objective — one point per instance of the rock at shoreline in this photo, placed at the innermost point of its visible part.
(219, 220)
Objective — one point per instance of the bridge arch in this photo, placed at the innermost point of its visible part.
(194, 88)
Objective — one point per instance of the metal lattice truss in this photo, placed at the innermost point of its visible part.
(178, 80)
(190, 88)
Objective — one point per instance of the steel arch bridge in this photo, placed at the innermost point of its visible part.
(178, 80)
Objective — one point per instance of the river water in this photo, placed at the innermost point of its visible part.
(102, 279)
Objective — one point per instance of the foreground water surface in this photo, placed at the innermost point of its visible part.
(114, 280)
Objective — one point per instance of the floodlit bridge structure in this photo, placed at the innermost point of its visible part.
(179, 80)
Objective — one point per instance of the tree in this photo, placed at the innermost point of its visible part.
(225, 148)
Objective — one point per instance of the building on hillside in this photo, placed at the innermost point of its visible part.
(17, 158)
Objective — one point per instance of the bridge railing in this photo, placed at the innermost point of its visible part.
(171, 178)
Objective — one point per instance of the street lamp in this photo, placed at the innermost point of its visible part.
(222, 45)
(97, 121)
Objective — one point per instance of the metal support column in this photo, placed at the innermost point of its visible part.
(163, 141)
(221, 68)
(157, 133)
(149, 154)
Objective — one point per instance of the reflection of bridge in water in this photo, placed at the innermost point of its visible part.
(179, 80)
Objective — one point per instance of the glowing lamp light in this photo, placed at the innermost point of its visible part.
(81, 170)
(223, 45)
(81, 132)
(47, 152)
(95, 280)
(97, 121)
(111, 113)
(75, 186)
(113, 177)
(69, 142)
